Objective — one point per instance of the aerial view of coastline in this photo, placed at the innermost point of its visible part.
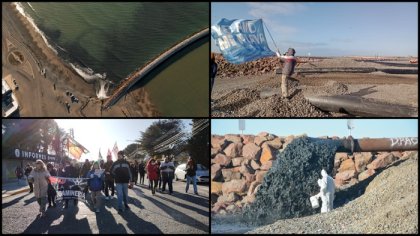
(105, 59)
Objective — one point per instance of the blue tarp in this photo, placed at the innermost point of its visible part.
(241, 40)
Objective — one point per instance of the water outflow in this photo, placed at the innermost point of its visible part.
(103, 89)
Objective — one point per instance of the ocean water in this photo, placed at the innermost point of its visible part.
(114, 39)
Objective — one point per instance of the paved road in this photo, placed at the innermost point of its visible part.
(178, 213)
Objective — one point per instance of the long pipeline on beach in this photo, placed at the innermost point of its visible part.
(133, 78)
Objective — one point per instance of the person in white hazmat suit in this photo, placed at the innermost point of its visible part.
(326, 193)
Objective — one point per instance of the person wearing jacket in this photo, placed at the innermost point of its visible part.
(70, 171)
(19, 173)
(95, 183)
(213, 70)
(152, 174)
(109, 179)
(191, 175)
(142, 172)
(167, 170)
(85, 168)
(289, 61)
(28, 170)
(122, 175)
(39, 176)
(51, 191)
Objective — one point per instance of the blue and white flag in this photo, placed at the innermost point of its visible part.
(241, 40)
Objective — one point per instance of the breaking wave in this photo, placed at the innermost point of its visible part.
(86, 73)
(31, 6)
(19, 7)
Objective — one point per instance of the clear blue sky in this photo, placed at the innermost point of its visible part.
(103, 133)
(332, 29)
(373, 128)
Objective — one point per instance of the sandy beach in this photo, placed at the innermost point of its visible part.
(42, 94)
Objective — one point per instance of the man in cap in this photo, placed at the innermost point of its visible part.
(289, 62)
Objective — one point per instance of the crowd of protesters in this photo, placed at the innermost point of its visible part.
(110, 177)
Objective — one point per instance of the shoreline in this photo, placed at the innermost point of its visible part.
(61, 75)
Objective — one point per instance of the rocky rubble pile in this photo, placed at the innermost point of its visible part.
(388, 206)
(257, 67)
(239, 164)
(270, 64)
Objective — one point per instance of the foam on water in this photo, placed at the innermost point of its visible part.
(19, 7)
(31, 6)
(87, 73)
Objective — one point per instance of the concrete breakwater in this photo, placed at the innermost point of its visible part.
(137, 75)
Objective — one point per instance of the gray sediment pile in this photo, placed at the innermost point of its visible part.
(289, 184)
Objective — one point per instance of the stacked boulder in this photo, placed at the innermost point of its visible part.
(240, 162)
(350, 169)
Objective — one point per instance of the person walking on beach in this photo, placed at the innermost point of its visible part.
(39, 177)
(51, 193)
(109, 179)
(152, 174)
(142, 172)
(122, 174)
(289, 61)
(213, 70)
(191, 175)
(28, 170)
(19, 173)
(96, 177)
(167, 168)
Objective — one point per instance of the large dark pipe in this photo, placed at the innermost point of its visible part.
(351, 145)
(361, 106)
(333, 70)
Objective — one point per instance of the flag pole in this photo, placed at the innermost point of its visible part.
(270, 35)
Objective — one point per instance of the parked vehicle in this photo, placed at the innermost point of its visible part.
(202, 173)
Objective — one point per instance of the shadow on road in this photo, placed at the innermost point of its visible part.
(16, 200)
(138, 225)
(199, 211)
(67, 225)
(178, 216)
(107, 224)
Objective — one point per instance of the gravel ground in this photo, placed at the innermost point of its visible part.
(263, 99)
(389, 205)
(259, 95)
